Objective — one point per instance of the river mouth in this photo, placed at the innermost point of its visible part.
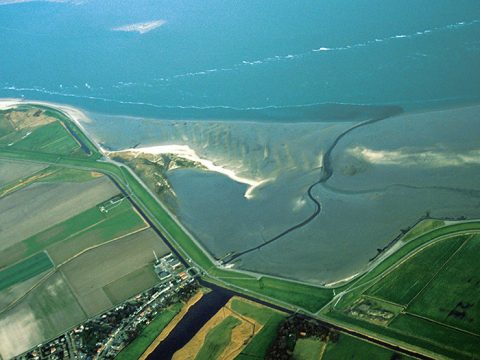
(383, 177)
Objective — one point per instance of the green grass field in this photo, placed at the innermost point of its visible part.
(50, 138)
(439, 289)
(307, 349)
(422, 227)
(65, 239)
(393, 335)
(363, 282)
(138, 346)
(270, 319)
(217, 339)
(453, 296)
(73, 129)
(462, 344)
(131, 284)
(308, 297)
(24, 270)
(257, 312)
(119, 221)
(62, 174)
(403, 283)
(349, 347)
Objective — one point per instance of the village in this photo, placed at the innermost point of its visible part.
(107, 334)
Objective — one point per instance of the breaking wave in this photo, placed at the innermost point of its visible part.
(307, 112)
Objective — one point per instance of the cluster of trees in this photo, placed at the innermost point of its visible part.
(187, 292)
(297, 326)
(293, 328)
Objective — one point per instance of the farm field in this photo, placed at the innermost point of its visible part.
(119, 267)
(42, 205)
(268, 318)
(24, 270)
(437, 292)
(50, 138)
(460, 306)
(349, 347)
(78, 248)
(131, 284)
(308, 349)
(419, 268)
(11, 171)
(13, 293)
(118, 222)
(34, 129)
(241, 329)
(67, 238)
(47, 310)
(96, 280)
(218, 339)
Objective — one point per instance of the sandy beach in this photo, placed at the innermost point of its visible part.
(185, 152)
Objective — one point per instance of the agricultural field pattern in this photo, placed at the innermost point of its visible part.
(69, 255)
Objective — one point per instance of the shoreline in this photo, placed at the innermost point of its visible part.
(77, 115)
(183, 151)
(186, 152)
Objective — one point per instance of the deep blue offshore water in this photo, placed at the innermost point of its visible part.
(268, 53)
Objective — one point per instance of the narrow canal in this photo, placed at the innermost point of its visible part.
(191, 323)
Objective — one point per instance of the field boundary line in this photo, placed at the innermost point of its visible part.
(373, 297)
(442, 324)
(56, 269)
(44, 278)
(58, 242)
(70, 135)
(99, 245)
(136, 211)
(396, 265)
(24, 182)
(26, 177)
(324, 348)
(256, 328)
(74, 293)
(79, 232)
(439, 270)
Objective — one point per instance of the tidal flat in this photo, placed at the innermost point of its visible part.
(383, 176)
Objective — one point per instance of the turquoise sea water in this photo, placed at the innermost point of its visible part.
(412, 53)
